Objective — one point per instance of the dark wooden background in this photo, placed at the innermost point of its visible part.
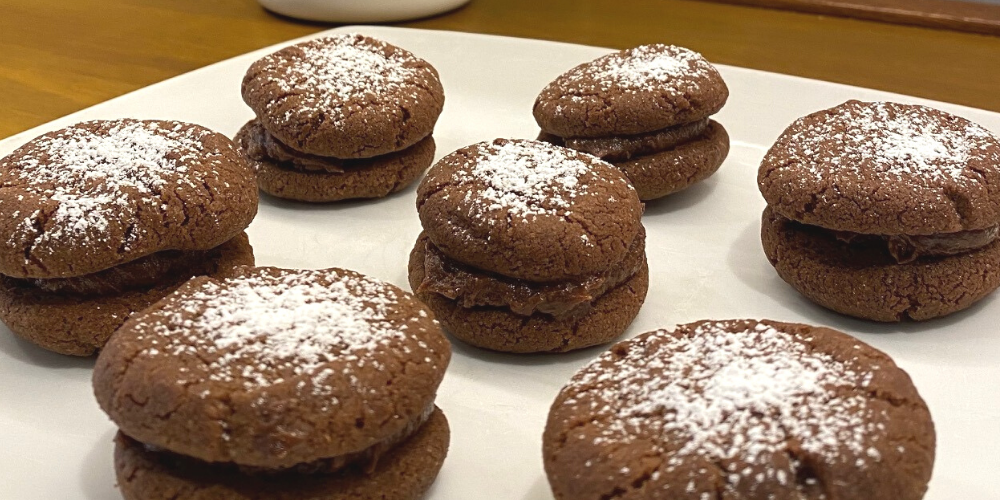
(58, 56)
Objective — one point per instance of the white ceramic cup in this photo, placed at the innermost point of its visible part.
(360, 11)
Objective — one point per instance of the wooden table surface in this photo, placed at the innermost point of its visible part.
(58, 56)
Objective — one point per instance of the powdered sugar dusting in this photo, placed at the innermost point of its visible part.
(526, 178)
(100, 175)
(258, 330)
(333, 70)
(888, 141)
(647, 67)
(736, 398)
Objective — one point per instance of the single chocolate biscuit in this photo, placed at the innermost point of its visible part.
(864, 280)
(740, 409)
(501, 329)
(275, 369)
(404, 473)
(345, 96)
(884, 168)
(632, 91)
(79, 318)
(529, 210)
(320, 179)
(99, 194)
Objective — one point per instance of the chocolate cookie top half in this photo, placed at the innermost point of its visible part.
(632, 91)
(885, 168)
(741, 409)
(273, 367)
(346, 96)
(97, 194)
(529, 210)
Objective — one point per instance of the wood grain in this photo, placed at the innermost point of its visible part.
(59, 56)
(973, 17)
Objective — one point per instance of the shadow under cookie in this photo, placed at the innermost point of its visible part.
(80, 324)
(404, 473)
(867, 282)
(370, 178)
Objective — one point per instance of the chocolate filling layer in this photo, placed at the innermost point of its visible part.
(365, 460)
(259, 145)
(626, 147)
(471, 287)
(908, 248)
(146, 272)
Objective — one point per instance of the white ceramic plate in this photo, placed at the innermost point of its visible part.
(704, 255)
(360, 11)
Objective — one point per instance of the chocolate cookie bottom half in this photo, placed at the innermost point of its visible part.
(656, 168)
(501, 329)
(405, 472)
(318, 179)
(866, 281)
(79, 324)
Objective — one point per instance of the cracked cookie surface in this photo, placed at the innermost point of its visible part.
(646, 110)
(633, 91)
(272, 368)
(884, 211)
(345, 96)
(865, 280)
(98, 194)
(740, 409)
(529, 210)
(884, 168)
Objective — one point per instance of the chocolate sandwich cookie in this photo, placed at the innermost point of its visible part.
(646, 110)
(285, 173)
(106, 217)
(740, 409)
(529, 247)
(340, 117)
(884, 211)
(304, 384)
(404, 473)
(76, 316)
